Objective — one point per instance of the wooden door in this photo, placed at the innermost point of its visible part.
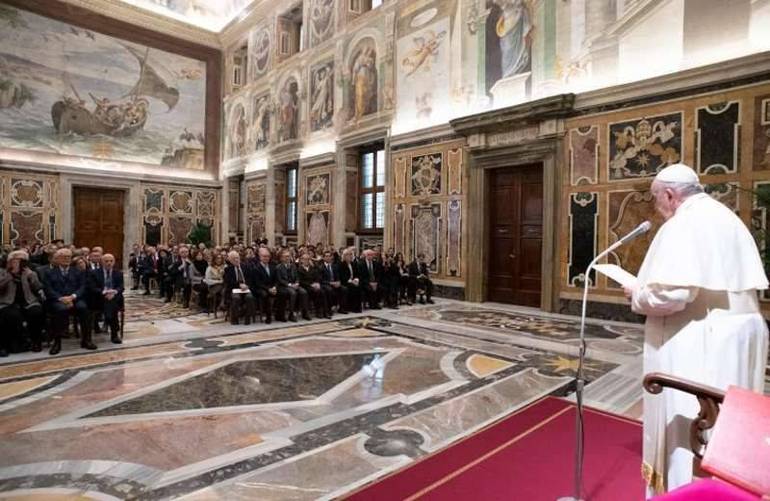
(514, 254)
(99, 220)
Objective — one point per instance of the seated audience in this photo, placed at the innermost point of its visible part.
(309, 276)
(370, 273)
(331, 285)
(289, 288)
(349, 280)
(266, 284)
(215, 278)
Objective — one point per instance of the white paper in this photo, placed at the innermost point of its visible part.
(616, 273)
(240, 291)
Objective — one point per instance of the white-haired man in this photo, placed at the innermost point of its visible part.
(698, 287)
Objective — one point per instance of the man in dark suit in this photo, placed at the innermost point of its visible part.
(370, 273)
(330, 284)
(148, 266)
(309, 276)
(419, 277)
(350, 282)
(239, 277)
(65, 290)
(106, 287)
(180, 276)
(265, 284)
(288, 286)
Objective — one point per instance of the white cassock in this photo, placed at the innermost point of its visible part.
(698, 287)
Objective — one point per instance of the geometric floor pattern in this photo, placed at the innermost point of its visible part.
(190, 407)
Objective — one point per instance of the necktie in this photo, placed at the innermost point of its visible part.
(331, 272)
(108, 279)
(239, 275)
(371, 274)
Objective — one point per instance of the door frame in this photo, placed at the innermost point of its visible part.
(131, 209)
(481, 161)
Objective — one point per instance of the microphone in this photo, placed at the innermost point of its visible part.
(579, 377)
(639, 230)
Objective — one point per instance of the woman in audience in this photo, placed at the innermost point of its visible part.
(199, 273)
(215, 278)
(19, 303)
(403, 282)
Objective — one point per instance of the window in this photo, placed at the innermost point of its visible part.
(240, 61)
(292, 31)
(291, 200)
(372, 189)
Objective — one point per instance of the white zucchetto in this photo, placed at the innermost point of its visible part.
(677, 173)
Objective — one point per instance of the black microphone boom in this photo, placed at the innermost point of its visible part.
(579, 377)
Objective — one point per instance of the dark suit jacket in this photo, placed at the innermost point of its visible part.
(262, 280)
(308, 277)
(230, 277)
(363, 272)
(286, 274)
(96, 286)
(325, 276)
(148, 265)
(344, 272)
(56, 284)
(416, 269)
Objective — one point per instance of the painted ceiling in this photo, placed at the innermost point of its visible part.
(212, 15)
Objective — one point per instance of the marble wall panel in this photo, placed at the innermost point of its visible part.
(584, 155)
(628, 209)
(255, 209)
(427, 196)
(170, 213)
(718, 138)
(641, 147)
(724, 135)
(584, 209)
(280, 199)
(425, 175)
(29, 207)
(316, 192)
(455, 171)
(426, 228)
(761, 132)
(454, 238)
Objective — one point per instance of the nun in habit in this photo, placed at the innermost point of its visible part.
(698, 288)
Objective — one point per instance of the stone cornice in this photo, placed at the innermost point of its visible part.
(558, 106)
(134, 15)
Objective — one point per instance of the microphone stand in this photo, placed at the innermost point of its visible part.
(580, 381)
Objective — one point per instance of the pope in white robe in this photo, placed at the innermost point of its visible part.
(698, 288)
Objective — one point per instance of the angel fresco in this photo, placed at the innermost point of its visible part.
(289, 111)
(423, 53)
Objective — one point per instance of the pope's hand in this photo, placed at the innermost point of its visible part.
(629, 290)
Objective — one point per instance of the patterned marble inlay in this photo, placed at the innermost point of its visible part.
(247, 383)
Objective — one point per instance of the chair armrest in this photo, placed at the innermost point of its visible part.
(708, 397)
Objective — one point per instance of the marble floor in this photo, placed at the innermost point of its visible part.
(191, 407)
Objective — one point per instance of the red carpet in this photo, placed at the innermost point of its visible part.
(527, 456)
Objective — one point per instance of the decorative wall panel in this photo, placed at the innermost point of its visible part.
(584, 209)
(762, 132)
(255, 209)
(169, 213)
(29, 207)
(427, 200)
(584, 155)
(760, 226)
(316, 194)
(280, 199)
(718, 138)
(704, 131)
(641, 147)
